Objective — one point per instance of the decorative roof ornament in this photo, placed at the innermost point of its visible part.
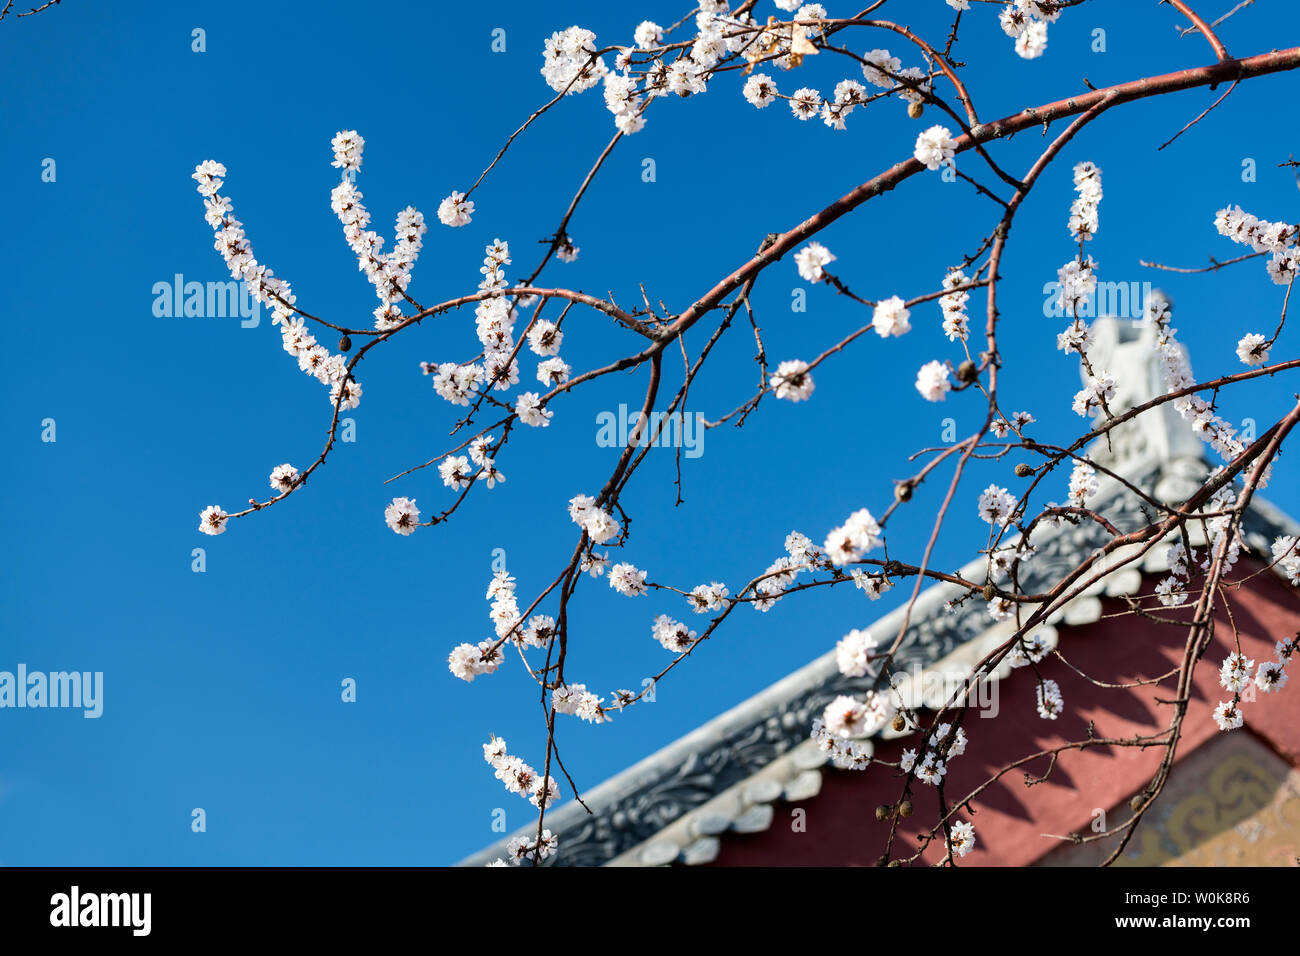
(1158, 437)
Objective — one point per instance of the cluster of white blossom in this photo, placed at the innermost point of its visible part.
(997, 506)
(544, 338)
(599, 524)
(1262, 236)
(1050, 703)
(518, 777)
(884, 70)
(402, 516)
(1083, 212)
(673, 635)
(1025, 21)
(1030, 649)
(1098, 389)
(456, 472)
(780, 574)
(1002, 426)
(531, 411)
(1234, 676)
(569, 61)
(792, 381)
(853, 653)
(962, 835)
(274, 293)
(1077, 285)
(932, 765)
(212, 520)
(846, 716)
(707, 597)
(810, 261)
(1003, 559)
(1253, 349)
(347, 145)
(575, 700)
(890, 318)
(1277, 238)
(389, 274)
(932, 381)
(456, 382)
(1083, 483)
(627, 579)
(801, 555)
(848, 94)
(844, 754)
(284, 478)
(801, 549)
(459, 472)
(468, 661)
(760, 90)
(953, 305)
(456, 210)
(873, 585)
(858, 535)
(1234, 673)
(1286, 555)
(1223, 532)
(1218, 433)
(1172, 591)
(935, 147)
(520, 848)
(505, 607)
(624, 102)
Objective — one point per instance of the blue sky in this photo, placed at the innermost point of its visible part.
(222, 688)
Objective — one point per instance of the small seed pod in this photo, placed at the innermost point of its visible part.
(345, 343)
(1136, 803)
(905, 808)
(882, 813)
(899, 723)
(966, 371)
(915, 110)
(1023, 470)
(990, 591)
(903, 491)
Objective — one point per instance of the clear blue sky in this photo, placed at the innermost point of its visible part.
(222, 689)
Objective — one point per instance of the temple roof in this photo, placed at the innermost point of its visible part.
(673, 806)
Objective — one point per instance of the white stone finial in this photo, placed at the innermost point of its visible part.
(1157, 438)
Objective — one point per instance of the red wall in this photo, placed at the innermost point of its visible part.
(840, 821)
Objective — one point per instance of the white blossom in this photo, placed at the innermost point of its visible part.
(935, 147)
